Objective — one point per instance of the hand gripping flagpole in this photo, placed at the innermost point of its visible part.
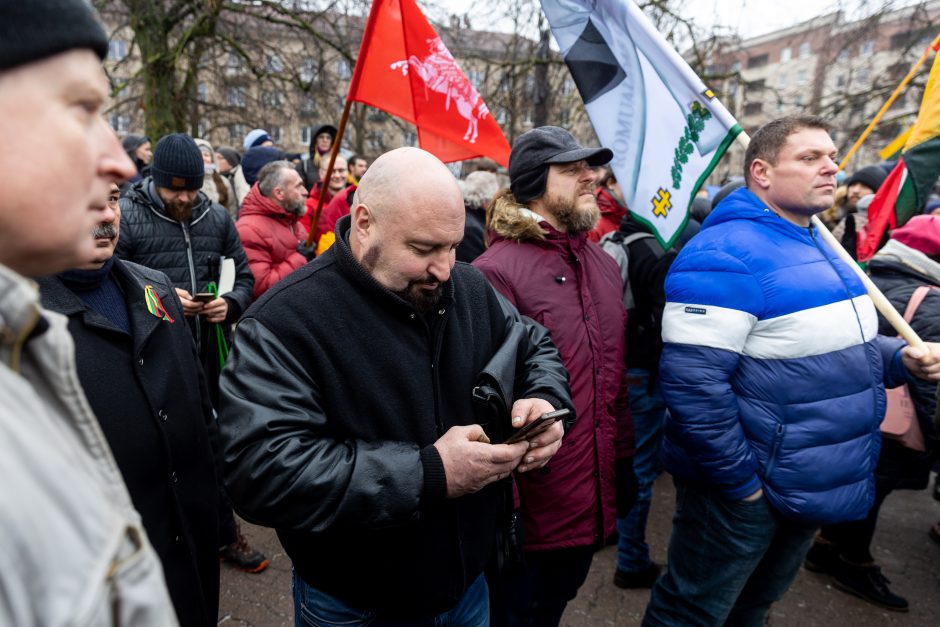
(353, 85)
(882, 304)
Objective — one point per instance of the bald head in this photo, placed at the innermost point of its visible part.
(407, 220)
(408, 179)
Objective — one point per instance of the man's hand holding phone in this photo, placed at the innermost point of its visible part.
(544, 444)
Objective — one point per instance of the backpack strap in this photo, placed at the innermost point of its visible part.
(916, 299)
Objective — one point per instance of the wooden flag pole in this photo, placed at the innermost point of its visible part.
(325, 182)
(884, 108)
(882, 304)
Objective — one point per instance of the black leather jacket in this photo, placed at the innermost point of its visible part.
(328, 420)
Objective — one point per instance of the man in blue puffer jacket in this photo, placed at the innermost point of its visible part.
(774, 375)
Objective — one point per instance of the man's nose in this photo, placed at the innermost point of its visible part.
(441, 265)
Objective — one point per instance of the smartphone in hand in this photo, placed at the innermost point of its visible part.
(204, 297)
(537, 426)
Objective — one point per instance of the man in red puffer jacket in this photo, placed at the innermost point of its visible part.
(542, 261)
(269, 227)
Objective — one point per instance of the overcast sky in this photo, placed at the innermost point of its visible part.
(747, 17)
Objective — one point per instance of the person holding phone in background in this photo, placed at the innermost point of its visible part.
(541, 260)
(352, 429)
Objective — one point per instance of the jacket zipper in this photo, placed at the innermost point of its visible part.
(192, 278)
(772, 460)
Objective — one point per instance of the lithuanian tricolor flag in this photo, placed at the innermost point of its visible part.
(904, 192)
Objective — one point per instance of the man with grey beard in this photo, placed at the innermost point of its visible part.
(269, 224)
(541, 260)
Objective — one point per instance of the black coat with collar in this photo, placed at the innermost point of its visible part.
(148, 393)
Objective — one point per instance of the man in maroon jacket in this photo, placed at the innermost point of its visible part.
(268, 224)
(541, 259)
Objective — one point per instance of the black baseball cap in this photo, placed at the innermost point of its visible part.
(535, 150)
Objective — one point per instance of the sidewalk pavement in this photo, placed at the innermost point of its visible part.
(908, 558)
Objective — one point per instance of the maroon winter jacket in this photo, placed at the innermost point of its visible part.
(269, 236)
(571, 286)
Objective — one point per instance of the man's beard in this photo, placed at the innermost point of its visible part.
(298, 208)
(423, 300)
(104, 230)
(569, 216)
(178, 210)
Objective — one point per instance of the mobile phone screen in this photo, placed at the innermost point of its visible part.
(537, 426)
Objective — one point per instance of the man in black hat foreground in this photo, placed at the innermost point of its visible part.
(541, 260)
(138, 367)
(167, 224)
(74, 550)
(362, 431)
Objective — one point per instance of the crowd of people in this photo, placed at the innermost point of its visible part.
(445, 395)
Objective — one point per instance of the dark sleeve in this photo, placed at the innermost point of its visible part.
(541, 373)
(240, 296)
(281, 467)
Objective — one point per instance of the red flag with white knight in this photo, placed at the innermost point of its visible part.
(406, 70)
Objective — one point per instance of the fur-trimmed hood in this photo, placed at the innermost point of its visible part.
(511, 220)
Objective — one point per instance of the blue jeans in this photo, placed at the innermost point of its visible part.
(649, 411)
(313, 608)
(728, 561)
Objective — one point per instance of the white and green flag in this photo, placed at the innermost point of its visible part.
(666, 128)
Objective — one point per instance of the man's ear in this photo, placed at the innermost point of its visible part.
(362, 221)
(761, 172)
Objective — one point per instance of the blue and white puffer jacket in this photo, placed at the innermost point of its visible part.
(772, 367)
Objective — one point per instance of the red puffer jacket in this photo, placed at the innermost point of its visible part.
(571, 286)
(269, 236)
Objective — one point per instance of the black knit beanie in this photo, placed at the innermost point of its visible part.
(871, 177)
(177, 163)
(32, 30)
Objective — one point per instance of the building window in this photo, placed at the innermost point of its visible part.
(121, 124)
(758, 61)
(275, 64)
(736, 67)
(309, 71)
(271, 99)
(476, 78)
(843, 55)
(202, 92)
(410, 138)
(567, 87)
(308, 106)
(866, 49)
(343, 71)
(201, 129)
(305, 134)
(782, 80)
(863, 76)
(753, 108)
(840, 80)
(804, 50)
(275, 133)
(117, 49)
(236, 134)
(801, 77)
(236, 97)
(785, 55)
(376, 141)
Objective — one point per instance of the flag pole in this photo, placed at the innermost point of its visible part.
(353, 84)
(884, 108)
(882, 304)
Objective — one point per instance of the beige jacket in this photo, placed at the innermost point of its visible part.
(73, 549)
